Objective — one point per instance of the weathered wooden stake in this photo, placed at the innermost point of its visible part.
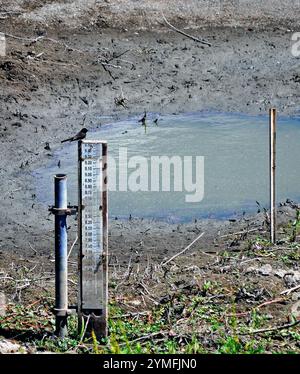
(272, 123)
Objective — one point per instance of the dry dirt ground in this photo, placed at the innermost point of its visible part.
(66, 60)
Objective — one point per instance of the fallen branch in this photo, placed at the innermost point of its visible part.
(183, 251)
(107, 70)
(239, 233)
(32, 40)
(287, 292)
(276, 328)
(278, 300)
(185, 34)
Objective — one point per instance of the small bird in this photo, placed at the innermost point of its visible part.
(79, 136)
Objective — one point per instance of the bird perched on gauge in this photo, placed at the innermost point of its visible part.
(79, 136)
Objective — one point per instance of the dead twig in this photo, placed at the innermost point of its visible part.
(108, 71)
(44, 38)
(30, 40)
(287, 292)
(185, 34)
(121, 100)
(146, 337)
(72, 246)
(127, 274)
(34, 250)
(110, 65)
(278, 300)
(131, 314)
(148, 294)
(237, 315)
(276, 328)
(183, 251)
(239, 233)
(119, 55)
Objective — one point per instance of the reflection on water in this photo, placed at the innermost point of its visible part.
(235, 149)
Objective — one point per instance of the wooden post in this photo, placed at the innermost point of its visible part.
(272, 123)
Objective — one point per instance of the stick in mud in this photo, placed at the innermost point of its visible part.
(272, 175)
(184, 33)
(183, 251)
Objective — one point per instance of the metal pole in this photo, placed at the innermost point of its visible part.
(61, 255)
(272, 123)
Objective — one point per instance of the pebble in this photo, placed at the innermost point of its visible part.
(295, 310)
(265, 270)
(296, 296)
(8, 347)
(292, 278)
(2, 304)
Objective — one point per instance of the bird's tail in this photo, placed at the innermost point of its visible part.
(66, 140)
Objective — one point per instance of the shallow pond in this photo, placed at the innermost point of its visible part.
(235, 149)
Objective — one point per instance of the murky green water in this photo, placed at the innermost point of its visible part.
(235, 149)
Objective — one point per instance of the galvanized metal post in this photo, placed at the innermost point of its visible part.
(272, 124)
(61, 255)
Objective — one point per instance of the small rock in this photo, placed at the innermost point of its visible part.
(251, 269)
(296, 296)
(292, 278)
(8, 347)
(280, 273)
(295, 310)
(265, 270)
(269, 316)
(2, 304)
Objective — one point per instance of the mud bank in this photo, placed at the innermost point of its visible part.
(51, 79)
(147, 14)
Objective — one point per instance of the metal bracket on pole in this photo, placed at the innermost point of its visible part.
(69, 211)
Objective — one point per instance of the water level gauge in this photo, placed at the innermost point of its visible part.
(93, 231)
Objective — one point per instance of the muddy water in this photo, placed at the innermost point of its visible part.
(235, 150)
